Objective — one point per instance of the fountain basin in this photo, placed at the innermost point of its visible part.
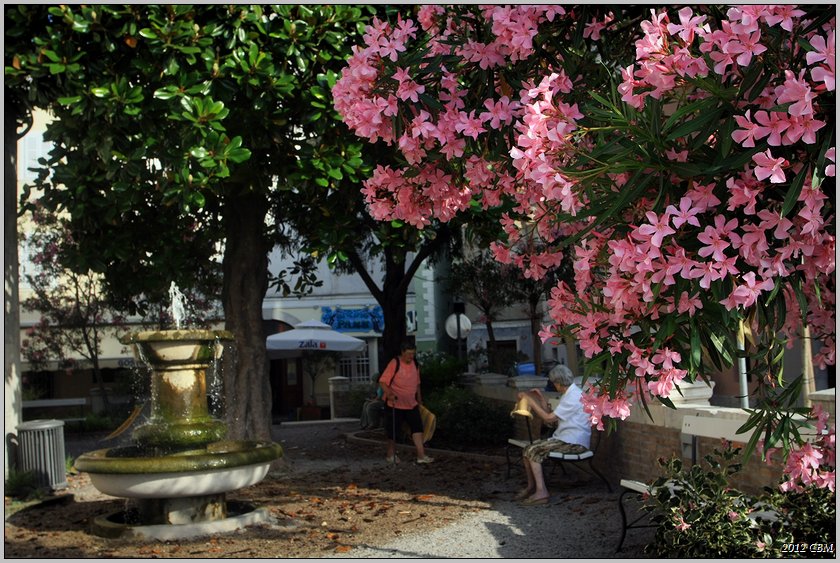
(179, 360)
(118, 525)
(133, 472)
(177, 346)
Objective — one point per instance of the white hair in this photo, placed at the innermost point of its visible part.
(561, 375)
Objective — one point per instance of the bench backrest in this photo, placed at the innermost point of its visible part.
(725, 428)
(714, 427)
(76, 402)
(695, 426)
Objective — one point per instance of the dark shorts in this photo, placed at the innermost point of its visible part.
(394, 419)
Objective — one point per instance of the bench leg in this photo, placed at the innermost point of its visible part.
(599, 474)
(507, 458)
(624, 524)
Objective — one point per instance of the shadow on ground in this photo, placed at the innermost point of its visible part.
(335, 496)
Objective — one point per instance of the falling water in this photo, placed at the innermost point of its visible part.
(215, 382)
(177, 308)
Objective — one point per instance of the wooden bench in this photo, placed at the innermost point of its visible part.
(557, 457)
(693, 427)
(80, 402)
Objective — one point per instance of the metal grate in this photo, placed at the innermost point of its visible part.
(41, 449)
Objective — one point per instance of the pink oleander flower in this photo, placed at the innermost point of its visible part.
(685, 214)
(769, 167)
(593, 29)
(747, 46)
(745, 295)
(499, 112)
(717, 238)
(797, 91)
(749, 132)
(657, 228)
(823, 53)
(703, 197)
(829, 168)
(775, 124)
(410, 90)
(801, 467)
(688, 26)
(783, 15)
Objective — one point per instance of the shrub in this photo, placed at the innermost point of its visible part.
(359, 394)
(93, 422)
(23, 485)
(699, 516)
(439, 370)
(465, 420)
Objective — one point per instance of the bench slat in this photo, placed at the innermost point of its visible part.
(634, 485)
(555, 455)
(78, 402)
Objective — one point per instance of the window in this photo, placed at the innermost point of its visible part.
(356, 367)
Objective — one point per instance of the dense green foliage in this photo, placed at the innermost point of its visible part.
(466, 420)
(180, 134)
(439, 370)
(22, 485)
(698, 515)
(162, 112)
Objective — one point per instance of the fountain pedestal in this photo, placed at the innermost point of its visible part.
(179, 511)
(180, 468)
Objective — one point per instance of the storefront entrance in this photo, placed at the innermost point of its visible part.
(286, 389)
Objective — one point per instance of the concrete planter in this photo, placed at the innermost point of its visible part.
(527, 382)
(491, 379)
(697, 393)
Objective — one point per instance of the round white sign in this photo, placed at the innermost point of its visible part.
(452, 325)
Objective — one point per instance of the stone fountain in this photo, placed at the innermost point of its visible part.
(180, 466)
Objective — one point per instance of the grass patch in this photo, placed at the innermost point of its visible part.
(23, 486)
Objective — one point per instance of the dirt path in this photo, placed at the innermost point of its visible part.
(332, 497)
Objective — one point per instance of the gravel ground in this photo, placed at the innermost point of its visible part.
(458, 507)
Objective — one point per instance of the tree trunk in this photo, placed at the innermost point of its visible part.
(492, 356)
(391, 297)
(394, 291)
(11, 318)
(536, 345)
(393, 334)
(92, 339)
(247, 386)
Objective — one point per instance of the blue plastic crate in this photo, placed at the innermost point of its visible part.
(527, 368)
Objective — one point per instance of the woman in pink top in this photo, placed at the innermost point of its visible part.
(400, 384)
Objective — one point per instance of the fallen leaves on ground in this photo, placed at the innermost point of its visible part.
(315, 512)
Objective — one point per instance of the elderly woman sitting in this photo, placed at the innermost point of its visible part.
(570, 436)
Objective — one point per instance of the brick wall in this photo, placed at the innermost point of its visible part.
(638, 446)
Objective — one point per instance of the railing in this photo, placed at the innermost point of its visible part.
(80, 402)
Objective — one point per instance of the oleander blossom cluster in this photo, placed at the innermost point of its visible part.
(814, 464)
(374, 88)
(714, 244)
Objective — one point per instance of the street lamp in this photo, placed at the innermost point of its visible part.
(458, 325)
